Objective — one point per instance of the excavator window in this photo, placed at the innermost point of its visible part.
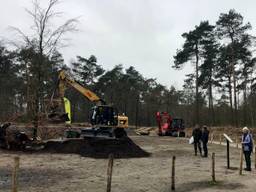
(103, 115)
(178, 123)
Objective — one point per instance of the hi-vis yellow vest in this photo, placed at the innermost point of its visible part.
(67, 109)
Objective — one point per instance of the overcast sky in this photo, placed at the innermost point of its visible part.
(141, 33)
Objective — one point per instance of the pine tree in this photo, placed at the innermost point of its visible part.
(207, 69)
(231, 26)
(191, 50)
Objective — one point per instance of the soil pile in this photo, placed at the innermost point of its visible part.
(97, 147)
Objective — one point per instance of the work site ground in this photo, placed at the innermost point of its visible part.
(146, 167)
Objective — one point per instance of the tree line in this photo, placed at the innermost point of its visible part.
(224, 77)
(221, 90)
(131, 93)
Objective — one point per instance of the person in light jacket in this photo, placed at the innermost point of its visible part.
(247, 144)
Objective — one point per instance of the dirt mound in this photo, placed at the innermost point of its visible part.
(97, 147)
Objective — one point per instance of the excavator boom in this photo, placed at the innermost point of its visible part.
(66, 79)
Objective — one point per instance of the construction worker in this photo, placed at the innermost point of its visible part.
(197, 134)
(247, 144)
(205, 137)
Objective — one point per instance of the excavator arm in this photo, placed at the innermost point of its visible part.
(65, 80)
(60, 108)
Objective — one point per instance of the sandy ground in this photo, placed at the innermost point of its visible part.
(43, 172)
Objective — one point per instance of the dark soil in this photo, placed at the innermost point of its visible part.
(97, 147)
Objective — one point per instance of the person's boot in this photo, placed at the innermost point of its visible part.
(195, 152)
(200, 151)
(205, 155)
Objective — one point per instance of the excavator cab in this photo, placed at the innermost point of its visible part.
(105, 120)
(107, 115)
(103, 115)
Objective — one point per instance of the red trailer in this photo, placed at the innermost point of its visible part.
(169, 126)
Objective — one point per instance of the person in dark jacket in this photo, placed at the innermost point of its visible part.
(205, 138)
(197, 134)
(247, 144)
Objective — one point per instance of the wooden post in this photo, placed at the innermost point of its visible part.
(187, 133)
(241, 161)
(109, 172)
(220, 138)
(213, 168)
(15, 174)
(212, 138)
(173, 173)
(228, 161)
(236, 142)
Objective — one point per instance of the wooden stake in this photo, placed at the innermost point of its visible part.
(220, 138)
(228, 161)
(109, 172)
(15, 174)
(241, 161)
(212, 138)
(213, 168)
(173, 173)
(236, 142)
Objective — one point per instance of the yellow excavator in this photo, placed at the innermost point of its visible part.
(105, 119)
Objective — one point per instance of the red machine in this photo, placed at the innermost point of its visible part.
(169, 126)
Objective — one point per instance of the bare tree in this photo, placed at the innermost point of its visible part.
(46, 39)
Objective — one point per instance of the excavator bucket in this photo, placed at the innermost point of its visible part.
(57, 115)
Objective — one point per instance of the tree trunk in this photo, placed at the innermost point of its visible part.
(211, 108)
(197, 92)
(168, 102)
(230, 100)
(251, 107)
(244, 108)
(38, 87)
(37, 100)
(234, 88)
(232, 62)
(137, 111)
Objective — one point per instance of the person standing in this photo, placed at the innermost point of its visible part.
(197, 134)
(247, 144)
(205, 138)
